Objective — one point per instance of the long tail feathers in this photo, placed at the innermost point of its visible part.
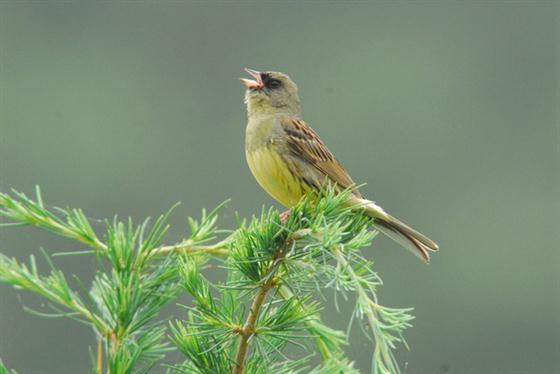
(417, 243)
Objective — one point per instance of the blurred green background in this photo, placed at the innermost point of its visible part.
(448, 110)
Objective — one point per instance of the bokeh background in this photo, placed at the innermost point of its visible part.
(448, 110)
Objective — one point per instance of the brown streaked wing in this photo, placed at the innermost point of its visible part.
(307, 146)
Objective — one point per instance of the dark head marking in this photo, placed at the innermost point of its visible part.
(269, 82)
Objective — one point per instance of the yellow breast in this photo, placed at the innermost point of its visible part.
(273, 174)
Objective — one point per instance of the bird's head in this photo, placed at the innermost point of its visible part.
(270, 92)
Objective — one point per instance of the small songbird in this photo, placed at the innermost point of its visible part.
(288, 159)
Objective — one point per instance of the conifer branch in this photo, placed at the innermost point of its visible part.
(99, 360)
(235, 326)
(248, 329)
(5, 370)
(188, 248)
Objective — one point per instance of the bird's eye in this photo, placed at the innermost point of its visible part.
(273, 83)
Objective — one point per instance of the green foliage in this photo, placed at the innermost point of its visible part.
(5, 370)
(265, 314)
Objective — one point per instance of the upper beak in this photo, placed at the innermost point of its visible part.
(256, 84)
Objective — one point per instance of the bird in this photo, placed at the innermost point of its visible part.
(289, 160)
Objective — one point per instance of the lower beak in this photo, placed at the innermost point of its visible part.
(256, 84)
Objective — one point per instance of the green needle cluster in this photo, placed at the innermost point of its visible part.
(263, 316)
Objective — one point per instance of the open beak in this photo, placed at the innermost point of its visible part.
(256, 84)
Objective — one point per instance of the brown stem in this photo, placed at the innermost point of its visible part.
(248, 329)
(219, 249)
(99, 355)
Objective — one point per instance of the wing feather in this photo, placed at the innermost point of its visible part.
(305, 144)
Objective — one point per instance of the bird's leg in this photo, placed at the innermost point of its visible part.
(284, 216)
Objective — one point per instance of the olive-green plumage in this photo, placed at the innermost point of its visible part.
(288, 158)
